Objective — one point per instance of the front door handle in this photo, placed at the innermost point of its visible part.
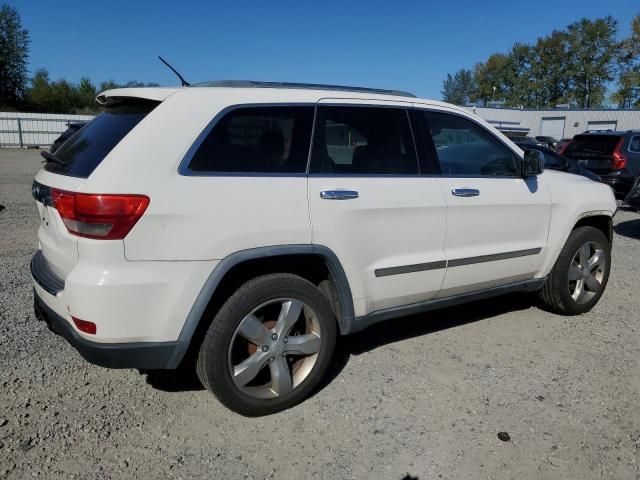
(465, 192)
(338, 194)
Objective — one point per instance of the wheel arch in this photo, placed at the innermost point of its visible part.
(598, 220)
(235, 261)
(561, 230)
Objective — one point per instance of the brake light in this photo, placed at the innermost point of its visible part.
(85, 326)
(99, 216)
(619, 158)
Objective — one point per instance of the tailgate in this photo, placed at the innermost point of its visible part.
(69, 167)
(599, 166)
(593, 152)
(60, 249)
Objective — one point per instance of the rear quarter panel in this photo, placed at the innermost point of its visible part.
(198, 218)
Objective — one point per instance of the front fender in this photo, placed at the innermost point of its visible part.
(573, 198)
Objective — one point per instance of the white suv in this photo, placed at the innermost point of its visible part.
(245, 225)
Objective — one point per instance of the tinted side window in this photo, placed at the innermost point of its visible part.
(84, 151)
(257, 140)
(466, 149)
(634, 144)
(363, 140)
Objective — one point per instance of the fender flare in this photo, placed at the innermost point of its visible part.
(334, 266)
(553, 253)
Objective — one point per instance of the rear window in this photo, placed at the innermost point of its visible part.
(256, 140)
(82, 153)
(592, 146)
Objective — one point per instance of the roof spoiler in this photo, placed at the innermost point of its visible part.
(123, 95)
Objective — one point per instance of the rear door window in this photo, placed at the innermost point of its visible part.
(592, 147)
(256, 140)
(84, 151)
(363, 141)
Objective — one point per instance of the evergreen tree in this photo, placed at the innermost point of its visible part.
(14, 52)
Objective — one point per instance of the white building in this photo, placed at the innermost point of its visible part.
(557, 123)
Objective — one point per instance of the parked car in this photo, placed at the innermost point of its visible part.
(548, 141)
(633, 197)
(72, 127)
(555, 161)
(614, 156)
(524, 139)
(215, 222)
(562, 143)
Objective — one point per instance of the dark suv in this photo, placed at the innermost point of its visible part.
(614, 156)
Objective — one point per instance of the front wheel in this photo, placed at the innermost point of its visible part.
(269, 345)
(580, 275)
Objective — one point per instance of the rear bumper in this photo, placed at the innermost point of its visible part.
(621, 184)
(633, 198)
(144, 355)
(44, 276)
(139, 308)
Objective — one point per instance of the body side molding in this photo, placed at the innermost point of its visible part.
(456, 262)
(459, 262)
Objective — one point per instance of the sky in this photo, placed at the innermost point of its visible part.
(405, 45)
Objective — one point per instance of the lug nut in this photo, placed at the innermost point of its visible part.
(274, 336)
(265, 349)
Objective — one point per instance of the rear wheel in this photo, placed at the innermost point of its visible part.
(269, 345)
(580, 275)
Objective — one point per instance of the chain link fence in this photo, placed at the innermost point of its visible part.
(34, 129)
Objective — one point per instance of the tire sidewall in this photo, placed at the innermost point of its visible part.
(215, 347)
(579, 237)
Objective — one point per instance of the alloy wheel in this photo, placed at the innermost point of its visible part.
(274, 348)
(586, 272)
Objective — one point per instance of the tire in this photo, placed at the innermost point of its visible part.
(561, 291)
(300, 339)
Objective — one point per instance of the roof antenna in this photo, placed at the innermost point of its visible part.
(182, 80)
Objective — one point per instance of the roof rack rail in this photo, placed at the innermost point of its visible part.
(307, 86)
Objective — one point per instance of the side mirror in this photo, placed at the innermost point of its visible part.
(533, 163)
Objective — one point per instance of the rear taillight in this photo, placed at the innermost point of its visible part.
(100, 216)
(85, 326)
(619, 158)
(564, 147)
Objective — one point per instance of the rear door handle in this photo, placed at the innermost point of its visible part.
(465, 192)
(338, 194)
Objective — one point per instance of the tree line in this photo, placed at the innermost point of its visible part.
(572, 66)
(39, 93)
(61, 96)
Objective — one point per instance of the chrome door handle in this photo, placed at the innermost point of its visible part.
(465, 192)
(338, 194)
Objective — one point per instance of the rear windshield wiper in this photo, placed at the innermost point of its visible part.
(50, 157)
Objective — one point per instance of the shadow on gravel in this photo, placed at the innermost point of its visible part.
(179, 380)
(185, 379)
(630, 229)
(404, 328)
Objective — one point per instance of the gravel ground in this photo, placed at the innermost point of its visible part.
(423, 397)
